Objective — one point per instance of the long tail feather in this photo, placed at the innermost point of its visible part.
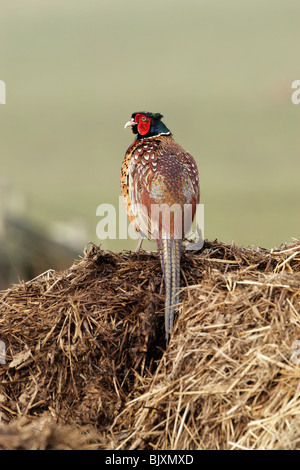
(170, 252)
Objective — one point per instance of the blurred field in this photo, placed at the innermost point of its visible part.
(220, 72)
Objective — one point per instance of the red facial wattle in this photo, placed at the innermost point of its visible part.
(144, 123)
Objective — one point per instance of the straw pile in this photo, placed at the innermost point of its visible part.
(87, 367)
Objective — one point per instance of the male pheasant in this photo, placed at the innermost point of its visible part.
(160, 188)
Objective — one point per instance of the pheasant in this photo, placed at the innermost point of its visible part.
(160, 189)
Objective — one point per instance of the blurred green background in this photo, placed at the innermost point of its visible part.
(219, 71)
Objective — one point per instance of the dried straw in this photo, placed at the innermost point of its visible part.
(85, 351)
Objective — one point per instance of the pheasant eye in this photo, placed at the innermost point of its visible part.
(144, 119)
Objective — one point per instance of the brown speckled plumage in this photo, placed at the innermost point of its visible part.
(158, 171)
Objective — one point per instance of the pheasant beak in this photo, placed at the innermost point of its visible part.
(130, 123)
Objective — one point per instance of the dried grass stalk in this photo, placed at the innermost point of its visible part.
(85, 347)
